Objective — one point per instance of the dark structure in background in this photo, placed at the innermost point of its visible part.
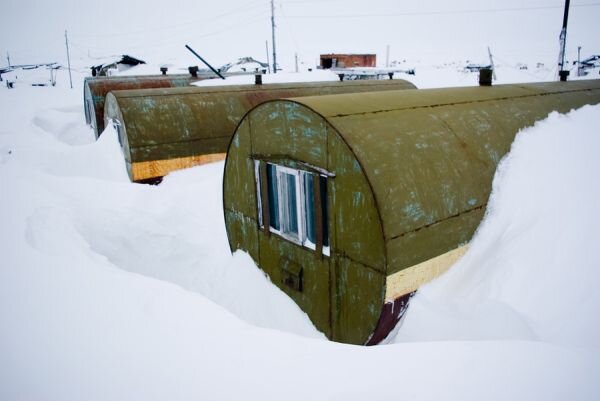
(119, 64)
(347, 60)
(350, 202)
(161, 130)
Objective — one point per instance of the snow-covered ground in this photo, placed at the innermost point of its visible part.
(116, 291)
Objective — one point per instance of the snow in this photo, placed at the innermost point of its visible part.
(110, 290)
(113, 290)
(280, 77)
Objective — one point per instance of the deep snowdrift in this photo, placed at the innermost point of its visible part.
(111, 290)
(533, 267)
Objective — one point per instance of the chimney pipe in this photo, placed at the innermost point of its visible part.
(193, 71)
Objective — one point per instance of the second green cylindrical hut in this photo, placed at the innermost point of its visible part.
(350, 202)
(95, 90)
(161, 130)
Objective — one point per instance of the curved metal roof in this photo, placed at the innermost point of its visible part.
(430, 155)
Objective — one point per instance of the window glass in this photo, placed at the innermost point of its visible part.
(273, 196)
(309, 206)
(290, 205)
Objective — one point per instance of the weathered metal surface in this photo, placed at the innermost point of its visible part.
(175, 123)
(410, 173)
(95, 90)
(391, 314)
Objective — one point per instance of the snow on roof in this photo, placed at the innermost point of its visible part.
(280, 77)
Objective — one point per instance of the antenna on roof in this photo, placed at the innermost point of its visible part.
(204, 61)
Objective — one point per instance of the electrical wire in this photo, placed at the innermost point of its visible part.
(252, 5)
(447, 12)
(175, 39)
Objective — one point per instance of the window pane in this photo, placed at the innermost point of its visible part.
(323, 186)
(273, 196)
(309, 206)
(291, 204)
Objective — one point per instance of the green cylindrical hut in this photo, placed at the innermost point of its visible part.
(161, 130)
(350, 202)
(95, 90)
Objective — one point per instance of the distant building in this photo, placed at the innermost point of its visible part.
(347, 60)
(116, 64)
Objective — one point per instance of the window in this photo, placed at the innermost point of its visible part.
(293, 203)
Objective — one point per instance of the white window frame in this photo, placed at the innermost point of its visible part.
(282, 194)
(281, 171)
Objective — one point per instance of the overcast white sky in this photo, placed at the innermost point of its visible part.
(527, 30)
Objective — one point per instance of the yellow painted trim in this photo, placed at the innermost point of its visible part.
(408, 280)
(160, 168)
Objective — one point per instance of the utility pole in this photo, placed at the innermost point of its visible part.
(267, 49)
(563, 42)
(273, 33)
(8, 58)
(68, 58)
(387, 56)
(296, 59)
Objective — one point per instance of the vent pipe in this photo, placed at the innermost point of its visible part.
(485, 77)
(193, 71)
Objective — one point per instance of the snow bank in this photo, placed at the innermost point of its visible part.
(280, 77)
(532, 270)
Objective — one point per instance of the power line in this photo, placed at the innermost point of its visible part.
(175, 38)
(237, 10)
(313, 1)
(448, 12)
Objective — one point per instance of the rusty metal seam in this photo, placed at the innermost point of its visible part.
(466, 148)
(183, 141)
(437, 222)
(199, 90)
(433, 106)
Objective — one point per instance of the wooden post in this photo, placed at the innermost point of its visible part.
(68, 59)
(268, 61)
